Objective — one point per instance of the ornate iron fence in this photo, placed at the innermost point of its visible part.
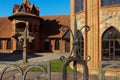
(104, 66)
(77, 58)
(13, 71)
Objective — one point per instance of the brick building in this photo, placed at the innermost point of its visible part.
(47, 30)
(102, 42)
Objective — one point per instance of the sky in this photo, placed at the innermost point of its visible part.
(47, 7)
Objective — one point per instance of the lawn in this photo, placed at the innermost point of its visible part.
(56, 66)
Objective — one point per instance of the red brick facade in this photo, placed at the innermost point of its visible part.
(45, 30)
(102, 41)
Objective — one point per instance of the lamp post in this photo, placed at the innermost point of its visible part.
(25, 34)
(25, 38)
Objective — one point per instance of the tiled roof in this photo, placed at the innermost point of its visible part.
(5, 27)
(52, 25)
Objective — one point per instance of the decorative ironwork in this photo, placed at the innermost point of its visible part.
(105, 65)
(14, 72)
(77, 58)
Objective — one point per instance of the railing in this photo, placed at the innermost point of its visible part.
(104, 67)
(13, 71)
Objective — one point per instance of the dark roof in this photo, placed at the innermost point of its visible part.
(5, 27)
(51, 26)
(23, 14)
(26, 7)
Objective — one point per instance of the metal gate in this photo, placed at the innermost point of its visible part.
(13, 71)
(104, 66)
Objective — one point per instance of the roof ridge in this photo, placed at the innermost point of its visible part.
(54, 15)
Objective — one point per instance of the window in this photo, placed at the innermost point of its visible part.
(110, 2)
(0, 44)
(79, 5)
(8, 44)
(47, 45)
(57, 44)
(81, 44)
(111, 44)
(20, 27)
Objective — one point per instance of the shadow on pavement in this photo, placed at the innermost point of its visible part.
(16, 56)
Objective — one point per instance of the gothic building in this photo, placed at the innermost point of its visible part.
(102, 42)
(47, 31)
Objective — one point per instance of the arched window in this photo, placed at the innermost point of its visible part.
(8, 44)
(110, 2)
(81, 43)
(57, 44)
(47, 45)
(111, 44)
(79, 5)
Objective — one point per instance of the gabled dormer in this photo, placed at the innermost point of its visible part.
(22, 8)
(34, 10)
(26, 7)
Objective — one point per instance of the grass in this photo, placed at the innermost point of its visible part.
(56, 66)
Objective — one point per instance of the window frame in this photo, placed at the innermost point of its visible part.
(82, 5)
(101, 3)
(109, 47)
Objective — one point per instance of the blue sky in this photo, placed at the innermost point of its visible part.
(47, 7)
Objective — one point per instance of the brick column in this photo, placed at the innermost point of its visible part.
(93, 34)
(71, 21)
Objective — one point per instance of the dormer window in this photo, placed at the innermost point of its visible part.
(22, 9)
(28, 10)
(110, 2)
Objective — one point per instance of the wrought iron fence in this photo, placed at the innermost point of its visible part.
(77, 58)
(13, 71)
(104, 67)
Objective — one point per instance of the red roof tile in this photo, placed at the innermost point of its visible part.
(5, 28)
